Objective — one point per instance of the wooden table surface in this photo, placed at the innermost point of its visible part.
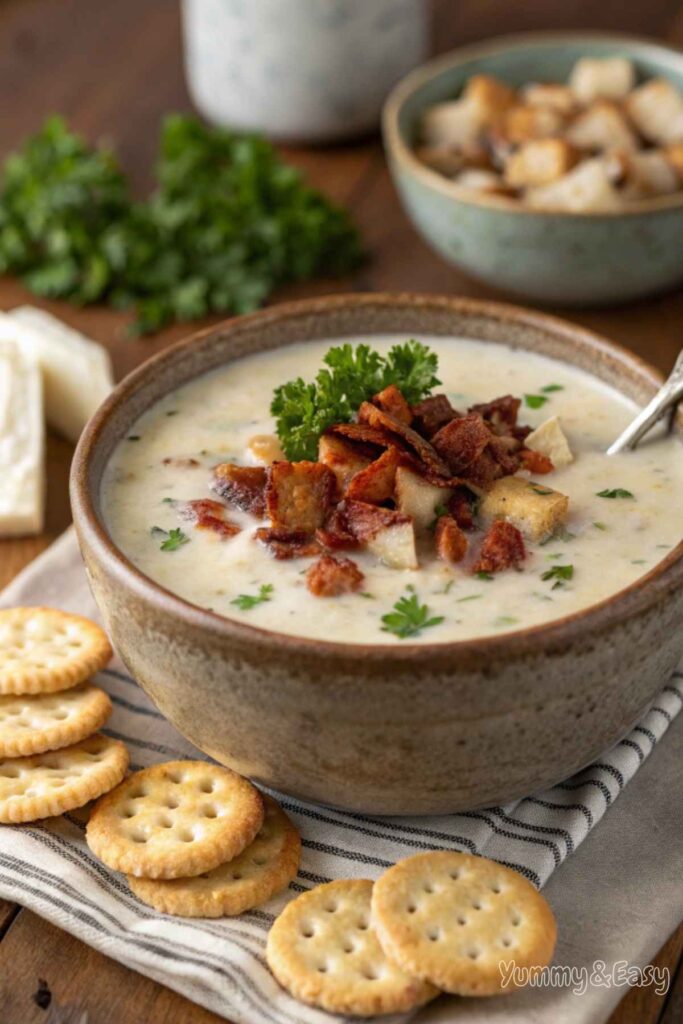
(114, 69)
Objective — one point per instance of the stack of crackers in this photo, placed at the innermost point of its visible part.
(52, 759)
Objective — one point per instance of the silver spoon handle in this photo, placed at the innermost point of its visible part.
(668, 396)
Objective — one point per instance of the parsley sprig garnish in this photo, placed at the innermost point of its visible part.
(171, 540)
(535, 401)
(409, 618)
(614, 492)
(245, 602)
(559, 573)
(350, 376)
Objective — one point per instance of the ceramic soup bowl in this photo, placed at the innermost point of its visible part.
(402, 729)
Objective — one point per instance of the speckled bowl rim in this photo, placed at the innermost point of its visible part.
(402, 153)
(556, 635)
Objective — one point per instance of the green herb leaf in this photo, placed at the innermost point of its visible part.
(409, 618)
(549, 388)
(541, 490)
(245, 602)
(535, 401)
(133, 437)
(350, 376)
(171, 540)
(559, 572)
(484, 576)
(600, 526)
(615, 492)
(366, 595)
(470, 597)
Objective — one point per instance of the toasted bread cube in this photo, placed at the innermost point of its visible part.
(419, 499)
(549, 439)
(455, 124)
(488, 96)
(299, 494)
(342, 458)
(477, 180)
(595, 78)
(395, 546)
(588, 188)
(649, 173)
(446, 160)
(265, 449)
(674, 154)
(241, 486)
(524, 122)
(656, 109)
(536, 510)
(539, 162)
(602, 128)
(550, 94)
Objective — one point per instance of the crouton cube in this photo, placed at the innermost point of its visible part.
(265, 449)
(609, 78)
(588, 188)
(455, 124)
(299, 494)
(375, 483)
(341, 458)
(524, 122)
(539, 162)
(536, 510)
(417, 498)
(389, 535)
(488, 96)
(674, 154)
(446, 160)
(549, 439)
(656, 109)
(649, 173)
(602, 128)
(476, 180)
(330, 577)
(550, 94)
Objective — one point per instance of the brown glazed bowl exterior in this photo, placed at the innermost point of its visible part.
(402, 729)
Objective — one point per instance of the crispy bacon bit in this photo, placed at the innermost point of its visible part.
(484, 471)
(505, 451)
(285, 544)
(425, 452)
(329, 577)
(207, 514)
(535, 462)
(241, 486)
(335, 534)
(180, 462)
(392, 402)
(500, 414)
(451, 542)
(365, 520)
(343, 458)
(502, 548)
(460, 507)
(375, 484)
(299, 494)
(462, 442)
(361, 433)
(431, 414)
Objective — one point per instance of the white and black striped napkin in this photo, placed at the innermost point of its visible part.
(220, 964)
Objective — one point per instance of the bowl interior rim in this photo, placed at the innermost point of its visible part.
(555, 634)
(399, 149)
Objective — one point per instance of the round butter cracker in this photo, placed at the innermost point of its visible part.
(324, 951)
(265, 867)
(452, 919)
(175, 820)
(32, 723)
(43, 650)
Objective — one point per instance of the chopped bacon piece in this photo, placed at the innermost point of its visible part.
(484, 471)
(431, 414)
(460, 507)
(335, 533)
(461, 442)
(284, 544)
(387, 534)
(180, 462)
(375, 484)
(207, 514)
(502, 548)
(451, 542)
(535, 462)
(392, 402)
(241, 486)
(343, 458)
(329, 577)
(425, 452)
(364, 434)
(299, 494)
(505, 451)
(366, 520)
(500, 414)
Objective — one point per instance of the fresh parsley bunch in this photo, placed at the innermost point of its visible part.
(350, 376)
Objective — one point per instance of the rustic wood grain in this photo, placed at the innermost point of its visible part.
(114, 69)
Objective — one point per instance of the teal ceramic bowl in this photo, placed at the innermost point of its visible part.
(559, 258)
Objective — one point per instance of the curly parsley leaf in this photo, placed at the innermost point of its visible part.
(245, 602)
(559, 573)
(614, 492)
(171, 540)
(350, 376)
(409, 618)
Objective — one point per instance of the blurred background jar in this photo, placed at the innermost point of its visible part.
(300, 70)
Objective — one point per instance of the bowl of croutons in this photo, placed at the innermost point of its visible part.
(548, 165)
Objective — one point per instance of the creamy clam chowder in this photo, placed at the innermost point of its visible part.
(622, 518)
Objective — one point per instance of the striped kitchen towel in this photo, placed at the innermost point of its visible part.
(220, 963)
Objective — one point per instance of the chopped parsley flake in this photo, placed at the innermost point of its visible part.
(171, 540)
(245, 602)
(484, 576)
(409, 618)
(614, 492)
(600, 526)
(366, 595)
(133, 437)
(535, 401)
(549, 388)
(559, 573)
(470, 597)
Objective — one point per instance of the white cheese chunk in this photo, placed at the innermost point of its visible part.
(76, 371)
(550, 439)
(22, 443)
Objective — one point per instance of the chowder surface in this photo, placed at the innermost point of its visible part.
(609, 542)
